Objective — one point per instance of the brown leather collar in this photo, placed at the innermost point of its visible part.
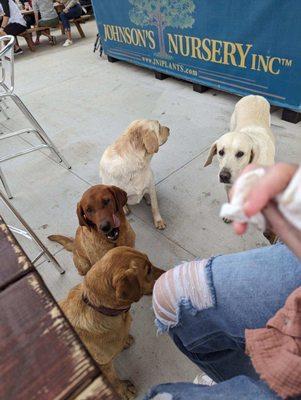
(111, 312)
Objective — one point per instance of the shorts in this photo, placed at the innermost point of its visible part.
(49, 23)
(14, 29)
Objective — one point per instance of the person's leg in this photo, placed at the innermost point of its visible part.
(207, 305)
(15, 29)
(240, 387)
(74, 12)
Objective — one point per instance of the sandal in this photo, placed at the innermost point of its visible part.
(52, 40)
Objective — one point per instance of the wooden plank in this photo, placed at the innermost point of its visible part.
(41, 356)
(13, 261)
(97, 390)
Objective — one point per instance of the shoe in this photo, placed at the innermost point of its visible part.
(18, 51)
(68, 42)
(52, 40)
(203, 379)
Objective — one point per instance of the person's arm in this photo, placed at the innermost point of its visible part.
(70, 4)
(6, 16)
(260, 199)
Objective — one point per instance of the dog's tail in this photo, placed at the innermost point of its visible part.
(65, 241)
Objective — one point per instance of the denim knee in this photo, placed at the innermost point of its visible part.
(185, 288)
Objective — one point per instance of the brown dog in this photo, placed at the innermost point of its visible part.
(99, 307)
(103, 226)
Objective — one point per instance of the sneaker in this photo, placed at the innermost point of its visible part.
(68, 42)
(18, 51)
(203, 379)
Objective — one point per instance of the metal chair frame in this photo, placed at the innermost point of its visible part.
(7, 86)
(29, 234)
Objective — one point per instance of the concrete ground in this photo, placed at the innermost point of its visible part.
(83, 102)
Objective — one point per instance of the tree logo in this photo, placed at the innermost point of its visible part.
(162, 14)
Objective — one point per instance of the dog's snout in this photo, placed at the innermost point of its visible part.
(225, 176)
(105, 226)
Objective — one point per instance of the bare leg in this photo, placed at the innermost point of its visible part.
(158, 221)
(125, 389)
(68, 33)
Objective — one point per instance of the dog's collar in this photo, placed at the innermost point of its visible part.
(111, 312)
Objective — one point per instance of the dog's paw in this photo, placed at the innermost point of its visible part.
(227, 221)
(126, 210)
(160, 224)
(129, 341)
(129, 391)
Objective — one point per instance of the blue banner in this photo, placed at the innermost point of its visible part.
(239, 46)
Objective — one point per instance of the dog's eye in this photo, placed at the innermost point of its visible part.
(221, 153)
(105, 202)
(239, 154)
(89, 210)
(149, 270)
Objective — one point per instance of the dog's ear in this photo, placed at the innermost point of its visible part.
(150, 142)
(212, 153)
(81, 216)
(252, 156)
(120, 197)
(127, 286)
(254, 153)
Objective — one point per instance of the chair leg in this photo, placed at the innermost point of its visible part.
(4, 183)
(39, 130)
(3, 111)
(35, 238)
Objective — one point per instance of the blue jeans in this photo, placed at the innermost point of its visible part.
(74, 12)
(247, 289)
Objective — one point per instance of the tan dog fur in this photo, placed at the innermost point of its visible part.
(126, 163)
(120, 278)
(250, 136)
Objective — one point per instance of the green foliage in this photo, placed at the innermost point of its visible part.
(172, 13)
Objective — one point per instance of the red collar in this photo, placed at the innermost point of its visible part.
(111, 312)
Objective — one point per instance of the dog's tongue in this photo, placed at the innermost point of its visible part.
(116, 221)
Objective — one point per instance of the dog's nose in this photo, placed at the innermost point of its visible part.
(225, 176)
(105, 226)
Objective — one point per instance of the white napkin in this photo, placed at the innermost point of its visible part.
(289, 201)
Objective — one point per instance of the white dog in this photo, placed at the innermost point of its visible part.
(126, 163)
(250, 140)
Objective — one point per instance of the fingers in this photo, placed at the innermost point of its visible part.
(240, 228)
(282, 228)
(274, 182)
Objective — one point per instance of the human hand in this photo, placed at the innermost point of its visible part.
(260, 199)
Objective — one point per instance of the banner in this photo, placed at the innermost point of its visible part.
(239, 46)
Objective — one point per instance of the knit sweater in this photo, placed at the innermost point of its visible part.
(275, 351)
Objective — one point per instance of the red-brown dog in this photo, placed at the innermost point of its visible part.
(103, 226)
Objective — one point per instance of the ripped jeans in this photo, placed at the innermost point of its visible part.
(206, 307)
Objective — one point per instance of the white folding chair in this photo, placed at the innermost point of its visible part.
(7, 91)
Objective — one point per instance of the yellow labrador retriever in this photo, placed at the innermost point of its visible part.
(126, 164)
(250, 140)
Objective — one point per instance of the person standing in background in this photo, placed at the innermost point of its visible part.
(72, 10)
